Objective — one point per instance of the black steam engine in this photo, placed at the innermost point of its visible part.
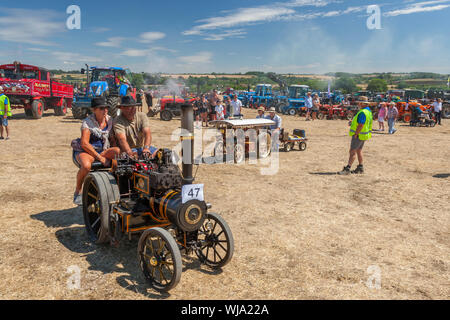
(154, 198)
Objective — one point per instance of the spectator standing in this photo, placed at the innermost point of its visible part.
(5, 112)
(316, 106)
(220, 111)
(382, 116)
(308, 105)
(392, 115)
(236, 105)
(437, 106)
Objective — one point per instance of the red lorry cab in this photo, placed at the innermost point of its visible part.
(33, 89)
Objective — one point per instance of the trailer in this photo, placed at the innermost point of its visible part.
(33, 89)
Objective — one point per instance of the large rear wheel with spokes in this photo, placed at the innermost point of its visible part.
(99, 191)
(216, 243)
(160, 259)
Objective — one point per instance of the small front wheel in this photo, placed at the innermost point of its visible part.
(160, 259)
(215, 242)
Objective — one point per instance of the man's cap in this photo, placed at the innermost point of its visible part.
(1, 88)
(272, 109)
(261, 109)
(392, 103)
(128, 101)
(99, 102)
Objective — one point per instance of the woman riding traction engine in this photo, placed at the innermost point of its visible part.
(95, 143)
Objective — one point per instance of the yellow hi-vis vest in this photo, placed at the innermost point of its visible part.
(2, 106)
(366, 131)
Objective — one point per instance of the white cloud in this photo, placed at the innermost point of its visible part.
(427, 6)
(239, 33)
(73, 57)
(262, 14)
(145, 52)
(30, 26)
(203, 57)
(114, 42)
(148, 37)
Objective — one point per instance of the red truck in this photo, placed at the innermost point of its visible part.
(33, 89)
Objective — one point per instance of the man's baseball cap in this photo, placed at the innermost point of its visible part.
(272, 109)
(261, 109)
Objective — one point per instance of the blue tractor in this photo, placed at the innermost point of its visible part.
(263, 96)
(111, 83)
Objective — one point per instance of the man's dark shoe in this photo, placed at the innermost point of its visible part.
(1, 138)
(345, 171)
(359, 170)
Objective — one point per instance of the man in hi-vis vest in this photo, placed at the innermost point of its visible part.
(5, 112)
(360, 131)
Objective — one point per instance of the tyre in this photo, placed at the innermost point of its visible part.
(349, 115)
(407, 117)
(99, 190)
(239, 153)
(302, 146)
(292, 112)
(264, 145)
(166, 115)
(287, 147)
(446, 111)
(37, 109)
(61, 110)
(160, 259)
(335, 117)
(28, 113)
(79, 113)
(113, 102)
(216, 243)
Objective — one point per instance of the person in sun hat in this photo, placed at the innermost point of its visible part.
(132, 129)
(360, 131)
(96, 143)
(261, 111)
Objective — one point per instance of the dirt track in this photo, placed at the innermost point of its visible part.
(304, 233)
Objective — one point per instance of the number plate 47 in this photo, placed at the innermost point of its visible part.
(192, 192)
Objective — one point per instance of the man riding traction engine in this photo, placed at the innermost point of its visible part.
(152, 196)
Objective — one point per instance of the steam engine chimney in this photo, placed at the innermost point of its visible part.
(187, 142)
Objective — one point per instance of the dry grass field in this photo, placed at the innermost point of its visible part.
(304, 233)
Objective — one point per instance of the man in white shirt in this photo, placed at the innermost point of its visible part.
(437, 105)
(236, 106)
(308, 105)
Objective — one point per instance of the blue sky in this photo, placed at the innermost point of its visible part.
(286, 36)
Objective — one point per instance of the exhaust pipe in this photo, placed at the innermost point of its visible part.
(187, 142)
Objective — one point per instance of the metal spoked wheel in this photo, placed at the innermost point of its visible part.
(160, 259)
(239, 153)
(99, 190)
(264, 145)
(216, 242)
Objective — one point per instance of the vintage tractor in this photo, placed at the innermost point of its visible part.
(154, 198)
(111, 83)
(33, 89)
(169, 107)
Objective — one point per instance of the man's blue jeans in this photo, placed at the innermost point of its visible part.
(391, 123)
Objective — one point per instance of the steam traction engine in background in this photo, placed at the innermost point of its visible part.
(33, 89)
(153, 197)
